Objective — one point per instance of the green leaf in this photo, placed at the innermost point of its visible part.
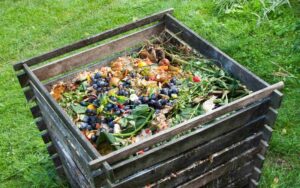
(139, 118)
(78, 109)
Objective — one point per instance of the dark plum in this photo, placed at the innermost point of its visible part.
(95, 86)
(174, 90)
(112, 98)
(117, 112)
(163, 101)
(153, 96)
(145, 99)
(90, 112)
(97, 75)
(164, 91)
(111, 124)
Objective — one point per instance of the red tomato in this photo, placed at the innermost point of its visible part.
(196, 79)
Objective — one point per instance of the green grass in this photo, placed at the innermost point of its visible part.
(268, 46)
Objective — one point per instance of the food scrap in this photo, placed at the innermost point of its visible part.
(140, 95)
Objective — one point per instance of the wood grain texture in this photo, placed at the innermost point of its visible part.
(216, 160)
(194, 122)
(40, 124)
(231, 177)
(202, 152)
(58, 129)
(69, 76)
(221, 170)
(186, 142)
(35, 111)
(74, 175)
(93, 39)
(93, 54)
(39, 88)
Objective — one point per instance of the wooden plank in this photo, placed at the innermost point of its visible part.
(74, 175)
(60, 172)
(56, 160)
(194, 122)
(231, 177)
(61, 114)
(189, 141)
(58, 129)
(40, 124)
(240, 183)
(69, 76)
(93, 39)
(51, 149)
(158, 171)
(23, 79)
(230, 65)
(201, 167)
(271, 116)
(220, 170)
(29, 94)
(46, 137)
(90, 55)
(35, 111)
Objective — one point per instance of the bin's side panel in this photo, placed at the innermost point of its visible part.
(57, 128)
(247, 137)
(260, 157)
(42, 127)
(201, 136)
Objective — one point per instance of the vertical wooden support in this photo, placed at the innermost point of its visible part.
(271, 117)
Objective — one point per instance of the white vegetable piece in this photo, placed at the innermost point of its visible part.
(209, 104)
(117, 128)
(133, 97)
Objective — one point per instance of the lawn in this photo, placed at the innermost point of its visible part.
(266, 42)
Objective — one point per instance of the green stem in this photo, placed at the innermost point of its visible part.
(138, 129)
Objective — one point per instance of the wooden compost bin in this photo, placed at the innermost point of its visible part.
(228, 151)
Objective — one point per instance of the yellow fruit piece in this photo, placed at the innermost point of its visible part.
(142, 64)
(89, 79)
(91, 107)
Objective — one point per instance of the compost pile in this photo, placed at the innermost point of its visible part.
(140, 95)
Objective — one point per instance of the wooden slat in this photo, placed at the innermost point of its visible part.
(35, 111)
(74, 175)
(57, 128)
(51, 149)
(240, 183)
(46, 137)
(189, 141)
(56, 160)
(231, 177)
(271, 116)
(221, 170)
(91, 40)
(23, 79)
(60, 172)
(90, 55)
(28, 94)
(69, 76)
(202, 152)
(61, 114)
(230, 65)
(40, 124)
(201, 167)
(194, 122)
